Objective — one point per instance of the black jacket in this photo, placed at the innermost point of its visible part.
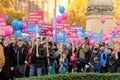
(21, 55)
(33, 56)
(118, 60)
(9, 62)
(51, 56)
(42, 59)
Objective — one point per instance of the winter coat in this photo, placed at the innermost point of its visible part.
(51, 56)
(2, 57)
(111, 63)
(21, 55)
(96, 67)
(103, 57)
(42, 59)
(118, 60)
(93, 56)
(33, 56)
(9, 62)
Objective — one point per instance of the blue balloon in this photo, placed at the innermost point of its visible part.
(68, 45)
(14, 23)
(7, 17)
(61, 9)
(20, 24)
(25, 38)
(18, 33)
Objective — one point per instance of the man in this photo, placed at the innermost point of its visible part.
(41, 61)
(21, 57)
(50, 57)
(103, 58)
(2, 57)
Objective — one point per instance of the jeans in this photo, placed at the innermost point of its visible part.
(20, 71)
(39, 71)
(32, 70)
(118, 69)
(49, 69)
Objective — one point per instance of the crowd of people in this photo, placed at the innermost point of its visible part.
(20, 58)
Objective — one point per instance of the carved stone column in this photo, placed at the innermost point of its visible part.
(95, 11)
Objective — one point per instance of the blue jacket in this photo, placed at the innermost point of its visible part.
(96, 67)
(103, 57)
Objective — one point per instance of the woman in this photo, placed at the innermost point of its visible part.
(8, 69)
(111, 63)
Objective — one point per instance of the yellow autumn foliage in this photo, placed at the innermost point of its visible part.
(7, 7)
(117, 9)
(76, 12)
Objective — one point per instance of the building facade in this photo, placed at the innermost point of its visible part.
(47, 6)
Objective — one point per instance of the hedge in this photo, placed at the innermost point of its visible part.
(77, 76)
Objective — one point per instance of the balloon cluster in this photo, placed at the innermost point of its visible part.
(64, 15)
(19, 25)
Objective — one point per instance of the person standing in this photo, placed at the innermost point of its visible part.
(111, 63)
(21, 57)
(8, 69)
(103, 58)
(51, 57)
(41, 61)
(2, 58)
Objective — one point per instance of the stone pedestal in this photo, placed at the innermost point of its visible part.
(97, 10)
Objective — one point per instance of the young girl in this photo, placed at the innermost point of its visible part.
(73, 61)
(63, 63)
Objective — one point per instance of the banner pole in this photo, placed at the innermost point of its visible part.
(48, 52)
(36, 41)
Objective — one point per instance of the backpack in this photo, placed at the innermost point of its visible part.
(2, 57)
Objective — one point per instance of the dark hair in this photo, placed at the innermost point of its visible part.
(19, 40)
(96, 49)
(101, 45)
(110, 49)
(27, 43)
(43, 38)
(50, 44)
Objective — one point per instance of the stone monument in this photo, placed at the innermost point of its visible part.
(95, 11)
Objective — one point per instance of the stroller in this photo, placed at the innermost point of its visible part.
(83, 66)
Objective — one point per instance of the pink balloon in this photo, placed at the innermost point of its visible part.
(91, 42)
(102, 20)
(64, 16)
(25, 30)
(74, 24)
(8, 30)
(79, 40)
(24, 26)
(74, 40)
(91, 35)
(113, 30)
(72, 58)
(59, 19)
(119, 41)
(118, 23)
(106, 37)
(30, 35)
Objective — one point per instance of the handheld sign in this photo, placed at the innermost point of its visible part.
(60, 36)
(32, 28)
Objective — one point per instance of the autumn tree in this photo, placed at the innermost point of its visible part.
(76, 12)
(117, 9)
(7, 7)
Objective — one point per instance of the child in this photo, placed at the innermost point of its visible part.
(96, 65)
(73, 61)
(63, 63)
